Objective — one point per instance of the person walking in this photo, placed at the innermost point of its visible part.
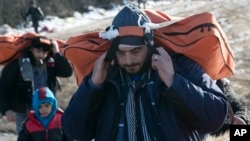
(137, 92)
(36, 14)
(143, 2)
(44, 121)
(237, 114)
(39, 65)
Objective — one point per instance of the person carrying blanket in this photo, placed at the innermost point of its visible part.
(137, 92)
(38, 66)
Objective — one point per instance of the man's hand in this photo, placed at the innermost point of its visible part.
(55, 46)
(10, 115)
(162, 63)
(238, 121)
(100, 70)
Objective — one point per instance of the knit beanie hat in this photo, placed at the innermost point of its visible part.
(131, 16)
(129, 27)
(41, 43)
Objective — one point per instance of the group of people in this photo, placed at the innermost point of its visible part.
(144, 93)
(29, 83)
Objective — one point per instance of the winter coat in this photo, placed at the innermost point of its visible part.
(192, 106)
(15, 93)
(34, 131)
(236, 106)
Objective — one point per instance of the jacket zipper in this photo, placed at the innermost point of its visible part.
(47, 134)
(201, 27)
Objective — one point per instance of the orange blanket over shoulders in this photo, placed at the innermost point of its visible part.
(199, 37)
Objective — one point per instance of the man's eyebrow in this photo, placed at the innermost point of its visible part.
(139, 47)
(134, 48)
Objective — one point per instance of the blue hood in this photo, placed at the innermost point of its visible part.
(44, 95)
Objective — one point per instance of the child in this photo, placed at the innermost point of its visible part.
(43, 123)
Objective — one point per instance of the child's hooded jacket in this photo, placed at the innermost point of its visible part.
(44, 95)
(37, 128)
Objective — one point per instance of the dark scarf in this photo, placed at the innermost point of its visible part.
(40, 76)
(139, 122)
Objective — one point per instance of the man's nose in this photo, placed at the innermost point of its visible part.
(41, 53)
(128, 59)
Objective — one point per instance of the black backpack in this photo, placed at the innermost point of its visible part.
(39, 14)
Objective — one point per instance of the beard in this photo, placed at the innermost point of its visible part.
(148, 61)
(138, 68)
(133, 68)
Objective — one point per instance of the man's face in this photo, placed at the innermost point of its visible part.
(131, 58)
(39, 54)
(33, 5)
(45, 109)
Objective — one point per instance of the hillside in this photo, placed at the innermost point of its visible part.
(234, 17)
(12, 11)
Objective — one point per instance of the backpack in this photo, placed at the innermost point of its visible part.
(11, 46)
(40, 14)
(198, 37)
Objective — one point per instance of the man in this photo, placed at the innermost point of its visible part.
(36, 14)
(143, 2)
(138, 93)
(237, 114)
(38, 66)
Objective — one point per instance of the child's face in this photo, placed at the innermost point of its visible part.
(45, 109)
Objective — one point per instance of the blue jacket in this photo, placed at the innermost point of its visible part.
(192, 106)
